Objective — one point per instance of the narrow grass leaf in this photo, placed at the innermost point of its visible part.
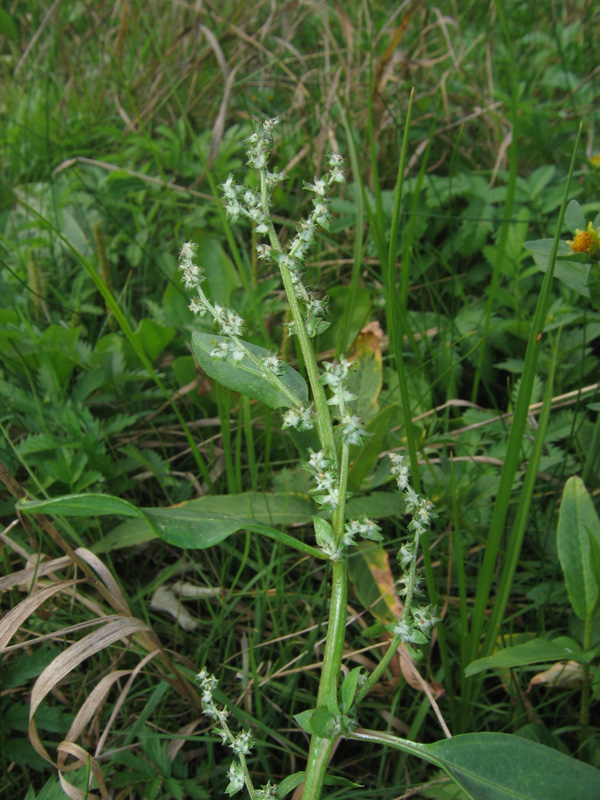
(513, 454)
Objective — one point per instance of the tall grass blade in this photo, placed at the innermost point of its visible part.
(513, 454)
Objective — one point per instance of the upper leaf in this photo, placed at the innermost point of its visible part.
(245, 377)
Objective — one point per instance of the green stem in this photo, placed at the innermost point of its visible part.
(316, 768)
(378, 671)
(324, 425)
(336, 633)
(339, 515)
(321, 749)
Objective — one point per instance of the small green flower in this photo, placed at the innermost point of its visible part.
(236, 778)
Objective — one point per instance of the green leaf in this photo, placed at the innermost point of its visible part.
(324, 723)
(288, 784)
(535, 651)
(376, 505)
(221, 275)
(319, 722)
(594, 552)
(280, 509)
(574, 217)
(366, 377)
(8, 26)
(577, 523)
(303, 719)
(153, 337)
(324, 533)
(348, 689)
(498, 766)
(373, 581)
(245, 377)
(352, 317)
(27, 666)
(81, 505)
(339, 780)
(184, 525)
(570, 268)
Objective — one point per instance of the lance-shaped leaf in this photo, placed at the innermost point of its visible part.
(248, 378)
(182, 526)
(498, 766)
(578, 523)
(535, 651)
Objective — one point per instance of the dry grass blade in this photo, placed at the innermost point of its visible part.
(174, 187)
(181, 737)
(395, 40)
(228, 75)
(92, 567)
(26, 576)
(60, 634)
(11, 542)
(93, 705)
(17, 616)
(117, 706)
(70, 659)
(36, 36)
(414, 678)
(84, 759)
(105, 576)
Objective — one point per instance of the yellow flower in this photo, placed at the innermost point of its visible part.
(595, 161)
(587, 242)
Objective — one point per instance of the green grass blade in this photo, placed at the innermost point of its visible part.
(500, 254)
(358, 238)
(395, 313)
(513, 449)
(517, 533)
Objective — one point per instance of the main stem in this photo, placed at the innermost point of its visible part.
(324, 426)
(320, 749)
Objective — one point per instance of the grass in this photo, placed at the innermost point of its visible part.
(116, 133)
